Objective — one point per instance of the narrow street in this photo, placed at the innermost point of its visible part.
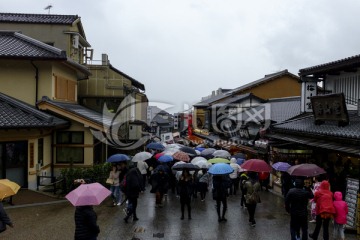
(56, 221)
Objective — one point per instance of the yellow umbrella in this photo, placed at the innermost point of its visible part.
(8, 188)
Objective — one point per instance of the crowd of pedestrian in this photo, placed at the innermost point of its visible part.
(302, 197)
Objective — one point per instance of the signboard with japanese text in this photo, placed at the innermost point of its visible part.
(330, 107)
(310, 91)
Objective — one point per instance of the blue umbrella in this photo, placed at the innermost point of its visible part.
(281, 166)
(220, 169)
(165, 158)
(155, 146)
(240, 161)
(200, 149)
(118, 158)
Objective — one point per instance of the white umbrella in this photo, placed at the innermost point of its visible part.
(203, 164)
(198, 159)
(222, 154)
(141, 156)
(170, 151)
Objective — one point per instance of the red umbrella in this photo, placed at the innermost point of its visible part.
(256, 165)
(158, 155)
(306, 170)
(181, 156)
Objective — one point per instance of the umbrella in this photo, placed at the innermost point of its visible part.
(141, 156)
(220, 169)
(197, 159)
(306, 170)
(183, 166)
(197, 152)
(219, 160)
(88, 194)
(173, 145)
(240, 161)
(239, 155)
(256, 165)
(8, 188)
(200, 149)
(190, 151)
(118, 158)
(221, 154)
(203, 164)
(281, 166)
(165, 158)
(158, 155)
(208, 152)
(170, 151)
(155, 146)
(181, 156)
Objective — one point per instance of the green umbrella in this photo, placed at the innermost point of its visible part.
(218, 160)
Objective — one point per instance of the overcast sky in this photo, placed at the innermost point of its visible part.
(182, 50)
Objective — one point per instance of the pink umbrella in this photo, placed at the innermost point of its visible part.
(88, 194)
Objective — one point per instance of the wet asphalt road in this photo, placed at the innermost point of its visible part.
(56, 221)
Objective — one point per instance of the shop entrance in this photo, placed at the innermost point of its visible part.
(13, 162)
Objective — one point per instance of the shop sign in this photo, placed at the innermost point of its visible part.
(310, 91)
(330, 107)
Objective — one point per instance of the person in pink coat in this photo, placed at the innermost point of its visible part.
(341, 210)
(324, 210)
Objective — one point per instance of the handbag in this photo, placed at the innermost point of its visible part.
(110, 181)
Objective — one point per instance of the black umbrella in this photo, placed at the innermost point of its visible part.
(190, 151)
(188, 166)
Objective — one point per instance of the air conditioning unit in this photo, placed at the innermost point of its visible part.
(75, 41)
(135, 132)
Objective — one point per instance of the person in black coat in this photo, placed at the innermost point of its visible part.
(4, 219)
(133, 188)
(159, 181)
(221, 184)
(296, 202)
(185, 191)
(86, 227)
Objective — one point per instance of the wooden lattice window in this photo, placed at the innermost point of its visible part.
(65, 89)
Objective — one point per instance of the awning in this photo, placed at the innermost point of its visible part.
(317, 143)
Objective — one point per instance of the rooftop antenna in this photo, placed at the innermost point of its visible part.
(48, 7)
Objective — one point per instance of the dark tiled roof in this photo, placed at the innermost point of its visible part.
(207, 102)
(37, 18)
(332, 67)
(17, 45)
(304, 124)
(17, 114)
(81, 111)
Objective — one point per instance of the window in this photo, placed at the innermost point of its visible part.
(67, 147)
(65, 89)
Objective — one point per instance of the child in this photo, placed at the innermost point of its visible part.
(313, 204)
(341, 209)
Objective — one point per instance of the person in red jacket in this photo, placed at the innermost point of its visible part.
(341, 210)
(324, 210)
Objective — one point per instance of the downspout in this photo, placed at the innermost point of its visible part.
(52, 155)
(36, 81)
